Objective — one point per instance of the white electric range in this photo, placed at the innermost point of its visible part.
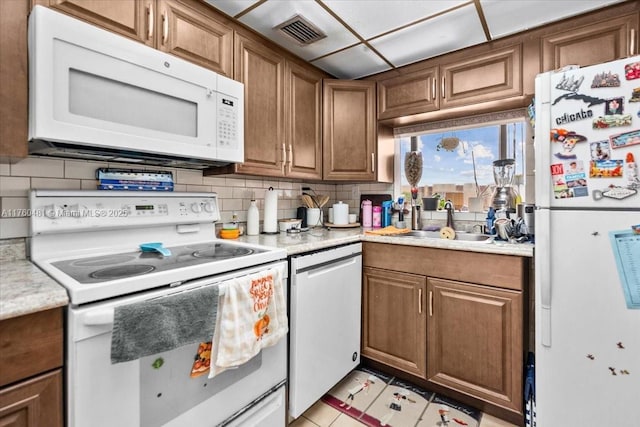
(115, 248)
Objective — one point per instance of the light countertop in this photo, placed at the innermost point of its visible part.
(316, 239)
(24, 288)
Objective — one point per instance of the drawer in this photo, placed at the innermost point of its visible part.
(30, 345)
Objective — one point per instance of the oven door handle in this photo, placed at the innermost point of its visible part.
(99, 317)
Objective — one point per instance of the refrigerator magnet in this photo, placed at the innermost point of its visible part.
(632, 71)
(616, 120)
(600, 150)
(612, 168)
(635, 95)
(625, 139)
(568, 139)
(605, 79)
(570, 84)
(614, 106)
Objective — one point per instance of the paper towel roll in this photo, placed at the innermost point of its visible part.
(341, 213)
(270, 224)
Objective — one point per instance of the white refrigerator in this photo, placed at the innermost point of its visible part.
(587, 253)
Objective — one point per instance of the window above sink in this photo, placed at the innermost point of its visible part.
(458, 156)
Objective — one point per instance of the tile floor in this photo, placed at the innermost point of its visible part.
(321, 414)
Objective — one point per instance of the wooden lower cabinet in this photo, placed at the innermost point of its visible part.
(394, 319)
(475, 341)
(34, 402)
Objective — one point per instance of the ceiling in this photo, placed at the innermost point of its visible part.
(365, 37)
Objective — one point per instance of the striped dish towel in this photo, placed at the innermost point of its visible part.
(252, 315)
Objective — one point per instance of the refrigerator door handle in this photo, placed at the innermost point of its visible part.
(543, 272)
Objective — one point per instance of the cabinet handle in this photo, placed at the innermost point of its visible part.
(165, 27)
(373, 162)
(150, 21)
(419, 301)
(430, 303)
(284, 157)
(433, 89)
(444, 93)
(632, 42)
(290, 157)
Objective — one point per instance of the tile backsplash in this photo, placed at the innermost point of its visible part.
(234, 193)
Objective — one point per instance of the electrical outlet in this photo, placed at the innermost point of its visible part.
(355, 192)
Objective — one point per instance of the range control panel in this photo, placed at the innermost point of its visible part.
(55, 211)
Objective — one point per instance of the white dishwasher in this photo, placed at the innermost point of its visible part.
(324, 332)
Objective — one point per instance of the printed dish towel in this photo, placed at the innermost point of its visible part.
(252, 315)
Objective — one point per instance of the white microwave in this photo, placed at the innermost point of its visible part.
(96, 95)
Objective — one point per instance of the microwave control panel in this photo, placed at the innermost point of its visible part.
(227, 121)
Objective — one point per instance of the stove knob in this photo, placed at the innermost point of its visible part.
(196, 208)
(50, 211)
(208, 207)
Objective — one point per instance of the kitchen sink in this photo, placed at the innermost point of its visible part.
(460, 235)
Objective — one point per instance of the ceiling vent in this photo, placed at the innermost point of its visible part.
(300, 30)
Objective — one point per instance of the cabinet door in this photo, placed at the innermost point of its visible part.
(14, 80)
(195, 37)
(262, 72)
(303, 112)
(475, 341)
(408, 94)
(349, 130)
(34, 402)
(487, 77)
(130, 18)
(394, 319)
(592, 44)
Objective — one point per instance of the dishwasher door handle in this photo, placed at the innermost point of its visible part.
(329, 265)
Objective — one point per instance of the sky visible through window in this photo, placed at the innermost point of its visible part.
(441, 166)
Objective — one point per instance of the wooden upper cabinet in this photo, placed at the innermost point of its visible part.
(591, 44)
(170, 26)
(394, 319)
(466, 81)
(195, 37)
(262, 72)
(411, 93)
(130, 18)
(476, 341)
(14, 81)
(494, 75)
(349, 130)
(303, 114)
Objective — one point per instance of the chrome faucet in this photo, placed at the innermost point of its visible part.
(449, 207)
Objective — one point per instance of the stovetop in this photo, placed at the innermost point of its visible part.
(105, 268)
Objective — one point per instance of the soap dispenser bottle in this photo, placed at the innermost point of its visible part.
(253, 219)
(491, 217)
